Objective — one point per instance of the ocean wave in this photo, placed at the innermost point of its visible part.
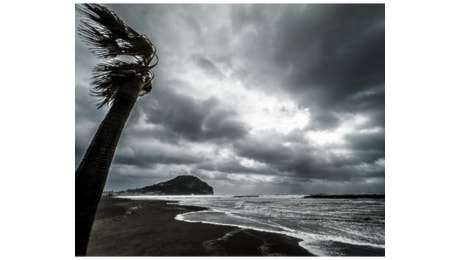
(321, 225)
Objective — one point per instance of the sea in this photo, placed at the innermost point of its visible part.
(325, 227)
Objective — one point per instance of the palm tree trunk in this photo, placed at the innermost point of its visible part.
(94, 167)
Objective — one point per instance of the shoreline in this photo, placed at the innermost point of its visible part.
(124, 227)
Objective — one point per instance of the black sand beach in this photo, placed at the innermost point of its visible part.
(148, 228)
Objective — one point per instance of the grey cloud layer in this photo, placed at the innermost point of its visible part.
(327, 58)
(193, 119)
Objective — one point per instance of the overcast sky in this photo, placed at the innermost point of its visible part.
(252, 99)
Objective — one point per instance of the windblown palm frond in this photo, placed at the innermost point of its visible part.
(110, 38)
(109, 35)
(110, 76)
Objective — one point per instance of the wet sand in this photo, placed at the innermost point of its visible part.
(147, 228)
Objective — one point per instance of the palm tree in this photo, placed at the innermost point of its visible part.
(123, 76)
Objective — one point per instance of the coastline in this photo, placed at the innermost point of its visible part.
(126, 227)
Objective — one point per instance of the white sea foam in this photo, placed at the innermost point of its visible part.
(180, 217)
(317, 222)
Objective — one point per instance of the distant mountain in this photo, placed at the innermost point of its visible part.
(181, 185)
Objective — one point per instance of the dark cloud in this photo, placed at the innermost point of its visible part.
(218, 65)
(223, 124)
(323, 55)
(208, 66)
(180, 113)
(347, 58)
(323, 119)
(368, 147)
(266, 151)
(339, 48)
(288, 157)
(193, 119)
(146, 160)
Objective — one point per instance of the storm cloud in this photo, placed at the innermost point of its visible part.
(253, 98)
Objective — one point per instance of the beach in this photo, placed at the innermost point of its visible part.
(147, 228)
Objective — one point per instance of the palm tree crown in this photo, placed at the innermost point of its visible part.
(111, 39)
